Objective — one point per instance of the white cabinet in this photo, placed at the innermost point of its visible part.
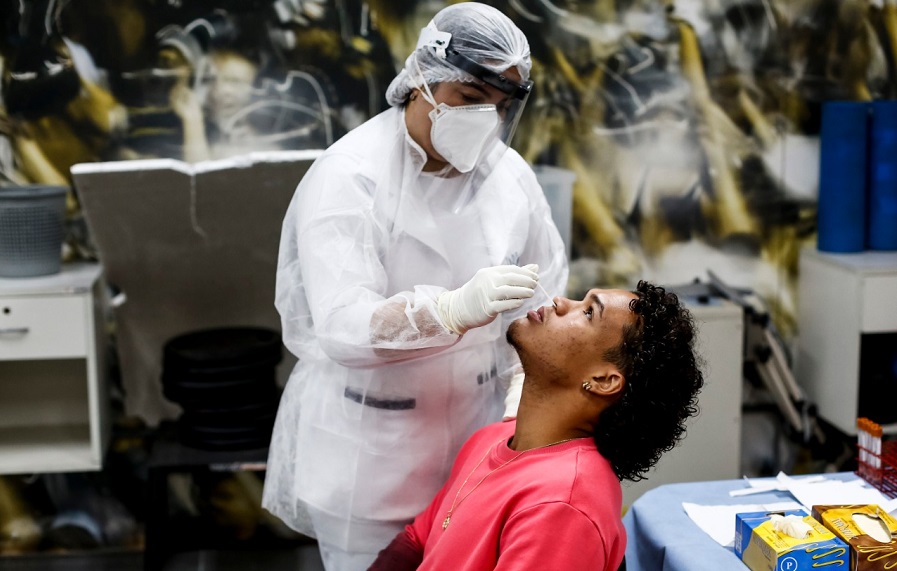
(53, 391)
(847, 336)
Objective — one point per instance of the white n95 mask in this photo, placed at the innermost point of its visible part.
(462, 134)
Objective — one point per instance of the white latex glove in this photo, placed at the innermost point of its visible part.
(490, 292)
(512, 397)
(791, 525)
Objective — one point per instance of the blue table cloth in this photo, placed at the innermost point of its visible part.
(661, 536)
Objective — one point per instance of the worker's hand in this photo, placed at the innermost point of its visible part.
(185, 103)
(512, 397)
(490, 292)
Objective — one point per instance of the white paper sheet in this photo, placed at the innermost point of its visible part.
(781, 483)
(838, 492)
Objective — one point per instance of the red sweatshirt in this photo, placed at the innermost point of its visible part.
(557, 507)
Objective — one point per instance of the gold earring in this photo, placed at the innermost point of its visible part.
(586, 386)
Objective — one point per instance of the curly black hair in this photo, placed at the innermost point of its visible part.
(663, 378)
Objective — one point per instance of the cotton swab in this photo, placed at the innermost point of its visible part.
(551, 299)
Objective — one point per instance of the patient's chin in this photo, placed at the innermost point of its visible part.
(513, 334)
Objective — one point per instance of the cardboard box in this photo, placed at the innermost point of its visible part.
(762, 548)
(190, 247)
(866, 553)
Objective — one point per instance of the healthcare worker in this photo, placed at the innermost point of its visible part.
(408, 248)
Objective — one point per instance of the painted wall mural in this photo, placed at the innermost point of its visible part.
(691, 125)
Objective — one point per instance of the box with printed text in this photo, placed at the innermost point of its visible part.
(869, 531)
(762, 547)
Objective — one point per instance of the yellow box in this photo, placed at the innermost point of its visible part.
(762, 548)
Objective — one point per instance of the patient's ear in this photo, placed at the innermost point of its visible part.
(609, 384)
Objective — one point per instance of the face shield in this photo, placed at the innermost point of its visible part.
(516, 93)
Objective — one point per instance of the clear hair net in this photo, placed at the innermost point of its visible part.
(480, 32)
(177, 38)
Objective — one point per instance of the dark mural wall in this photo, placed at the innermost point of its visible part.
(692, 126)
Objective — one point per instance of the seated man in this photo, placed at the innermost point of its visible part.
(610, 381)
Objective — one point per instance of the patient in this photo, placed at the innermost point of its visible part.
(610, 382)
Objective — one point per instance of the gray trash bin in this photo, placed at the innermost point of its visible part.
(31, 230)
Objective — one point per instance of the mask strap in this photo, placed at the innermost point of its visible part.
(425, 92)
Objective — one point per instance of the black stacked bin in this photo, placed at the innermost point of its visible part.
(225, 381)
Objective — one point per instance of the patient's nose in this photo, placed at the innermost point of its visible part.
(562, 305)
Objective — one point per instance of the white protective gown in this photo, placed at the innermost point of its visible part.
(383, 395)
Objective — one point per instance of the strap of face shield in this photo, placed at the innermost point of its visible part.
(441, 44)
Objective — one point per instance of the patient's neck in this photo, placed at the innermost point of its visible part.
(546, 418)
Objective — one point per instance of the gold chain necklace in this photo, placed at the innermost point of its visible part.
(456, 503)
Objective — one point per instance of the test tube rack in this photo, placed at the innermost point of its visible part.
(876, 458)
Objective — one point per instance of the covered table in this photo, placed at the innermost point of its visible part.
(661, 536)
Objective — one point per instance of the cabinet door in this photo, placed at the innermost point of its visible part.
(43, 327)
(879, 307)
